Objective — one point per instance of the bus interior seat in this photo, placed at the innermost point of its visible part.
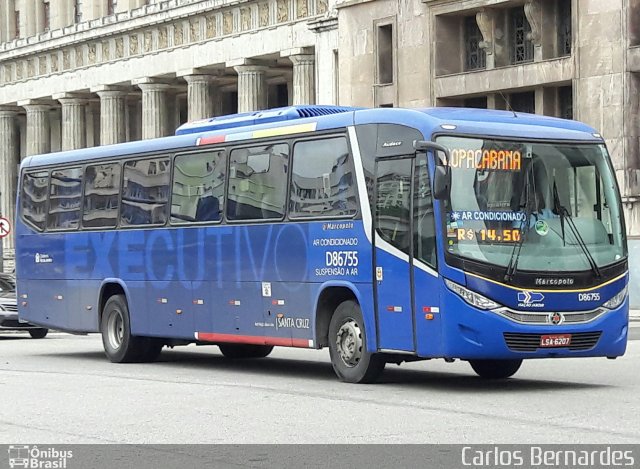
(208, 209)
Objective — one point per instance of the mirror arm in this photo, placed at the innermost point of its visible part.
(426, 145)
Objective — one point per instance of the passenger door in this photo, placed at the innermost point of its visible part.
(393, 206)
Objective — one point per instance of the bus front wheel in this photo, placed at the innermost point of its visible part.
(495, 369)
(348, 346)
(119, 345)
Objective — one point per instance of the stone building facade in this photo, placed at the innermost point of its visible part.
(77, 73)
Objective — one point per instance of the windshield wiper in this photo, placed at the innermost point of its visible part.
(564, 215)
(512, 267)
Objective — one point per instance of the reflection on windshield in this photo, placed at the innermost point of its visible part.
(502, 191)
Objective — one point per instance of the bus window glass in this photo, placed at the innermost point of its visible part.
(145, 192)
(101, 195)
(423, 220)
(65, 197)
(198, 187)
(258, 182)
(393, 202)
(34, 198)
(322, 181)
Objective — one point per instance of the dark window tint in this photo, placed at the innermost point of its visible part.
(423, 220)
(198, 187)
(145, 192)
(393, 202)
(34, 198)
(65, 197)
(322, 183)
(101, 195)
(257, 182)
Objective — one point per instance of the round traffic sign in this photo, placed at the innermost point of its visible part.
(5, 227)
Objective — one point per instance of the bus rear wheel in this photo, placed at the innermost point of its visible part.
(348, 346)
(235, 351)
(119, 345)
(495, 369)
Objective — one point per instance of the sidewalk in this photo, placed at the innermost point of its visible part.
(634, 315)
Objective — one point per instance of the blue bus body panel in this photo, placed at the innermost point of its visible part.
(199, 279)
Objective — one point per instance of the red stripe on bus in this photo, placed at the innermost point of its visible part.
(252, 339)
(210, 140)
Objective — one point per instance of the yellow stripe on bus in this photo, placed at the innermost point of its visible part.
(289, 129)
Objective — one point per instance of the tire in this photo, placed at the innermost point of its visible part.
(495, 369)
(351, 361)
(38, 333)
(119, 345)
(239, 351)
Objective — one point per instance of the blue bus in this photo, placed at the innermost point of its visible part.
(386, 235)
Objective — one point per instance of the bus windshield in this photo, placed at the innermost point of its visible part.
(555, 205)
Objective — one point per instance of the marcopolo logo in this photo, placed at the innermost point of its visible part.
(38, 458)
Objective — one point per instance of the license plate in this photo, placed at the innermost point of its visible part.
(555, 340)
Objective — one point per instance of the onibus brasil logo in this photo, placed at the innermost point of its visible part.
(38, 458)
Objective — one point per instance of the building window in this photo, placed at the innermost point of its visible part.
(16, 23)
(46, 13)
(521, 46)
(524, 102)
(111, 7)
(564, 27)
(565, 102)
(475, 57)
(385, 54)
(77, 11)
(478, 103)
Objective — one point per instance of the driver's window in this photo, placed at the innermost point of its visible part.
(393, 202)
(423, 219)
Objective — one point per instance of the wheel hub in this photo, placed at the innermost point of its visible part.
(349, 343)
(115, 327)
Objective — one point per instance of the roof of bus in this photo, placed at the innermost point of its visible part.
(430, 121)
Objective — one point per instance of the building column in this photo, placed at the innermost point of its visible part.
(9, 159)
(74, 129)
(155, 117)
(38, 128)
(252, 87)
(199, 96)
(304, 78)
(112, 114)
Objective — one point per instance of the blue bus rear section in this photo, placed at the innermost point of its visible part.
(269, 283)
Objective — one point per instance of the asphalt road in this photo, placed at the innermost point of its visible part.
(63, 390)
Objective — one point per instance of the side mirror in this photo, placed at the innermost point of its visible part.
(442, 182)
(442, 175)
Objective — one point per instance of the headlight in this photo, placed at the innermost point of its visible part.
(617, 300)
(471, 297)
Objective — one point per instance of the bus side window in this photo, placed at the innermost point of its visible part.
(101, 196)
(258, 182)
(198, 187)
(65, 197)
(34, 198)
(145, 192)
(322, 182)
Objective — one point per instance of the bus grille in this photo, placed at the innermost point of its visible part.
(570, 317)
(531, 342)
